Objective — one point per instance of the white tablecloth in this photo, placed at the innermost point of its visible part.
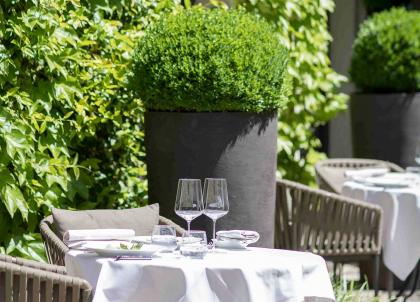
(253, 275)
(401, 223)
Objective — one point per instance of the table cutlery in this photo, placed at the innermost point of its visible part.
(132, 258)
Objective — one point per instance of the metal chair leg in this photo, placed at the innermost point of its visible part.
(376, 274)
(390, 284)
(415, 281)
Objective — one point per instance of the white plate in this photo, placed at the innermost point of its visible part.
(390, 180)
(112, 249)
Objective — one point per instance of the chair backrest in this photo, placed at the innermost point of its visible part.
(25, 283)
(324, 223)
(330, 172)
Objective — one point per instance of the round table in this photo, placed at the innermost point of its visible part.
(401, 223)
(251, 275)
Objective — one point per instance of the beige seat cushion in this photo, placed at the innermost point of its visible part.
(141, 220)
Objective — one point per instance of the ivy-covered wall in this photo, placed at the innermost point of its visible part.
(70, 130)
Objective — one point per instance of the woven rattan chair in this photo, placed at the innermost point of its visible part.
(56, 249)
(337, 228)
(330, 172)
(26, 280)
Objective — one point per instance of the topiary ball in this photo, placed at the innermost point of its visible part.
(386, 53)
(210, 60)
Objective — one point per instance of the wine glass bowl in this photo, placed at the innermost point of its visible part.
(216, 201)
(189, 200)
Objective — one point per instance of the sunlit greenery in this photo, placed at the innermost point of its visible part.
(70, 132)
(386, 52)
(303, 27)
(211, 60)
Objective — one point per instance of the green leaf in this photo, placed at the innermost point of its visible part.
(13, 200)
(56, 179)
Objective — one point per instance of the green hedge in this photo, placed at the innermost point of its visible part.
(386, 52)
(210, 60)
(303, 27)
(70, 132)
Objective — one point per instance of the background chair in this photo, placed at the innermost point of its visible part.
(330, 172)
(337, 228)
(55, 247)
(27, 280)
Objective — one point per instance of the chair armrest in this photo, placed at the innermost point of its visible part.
(33, 264)
(54, 246)
(24, 283)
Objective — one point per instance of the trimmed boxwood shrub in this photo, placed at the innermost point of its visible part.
(386, 53)
(210, 60)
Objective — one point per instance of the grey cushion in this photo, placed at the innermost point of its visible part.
(141, 220)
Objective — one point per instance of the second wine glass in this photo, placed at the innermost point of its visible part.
(189, 200)
(216, 203)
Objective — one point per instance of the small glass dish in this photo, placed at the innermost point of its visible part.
(194, 237)
(193, 251)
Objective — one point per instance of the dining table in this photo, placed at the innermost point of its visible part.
(247, 275)
(401, 222)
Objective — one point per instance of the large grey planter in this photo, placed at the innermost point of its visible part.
(240, 147)
(386, 126)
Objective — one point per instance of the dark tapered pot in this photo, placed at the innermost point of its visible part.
(386, 126)
(240, 147)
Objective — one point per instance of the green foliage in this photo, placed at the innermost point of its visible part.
(349, 291)
(70, 131)
(386, 52)
(210, 60)
(303, 26)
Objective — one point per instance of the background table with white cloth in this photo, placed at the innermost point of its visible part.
(251, 275)
(401, 223)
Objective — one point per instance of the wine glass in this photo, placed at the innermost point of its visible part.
(165, 236)
(216, 203)
(189, 200)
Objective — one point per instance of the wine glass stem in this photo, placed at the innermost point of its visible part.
(214, 228)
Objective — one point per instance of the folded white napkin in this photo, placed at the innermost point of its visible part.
(97, 234)
(238, 234)
(365, 172)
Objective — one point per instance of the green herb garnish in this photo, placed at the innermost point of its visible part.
(130, 246)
